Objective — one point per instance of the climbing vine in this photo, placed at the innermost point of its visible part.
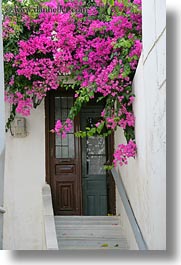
(95, 43)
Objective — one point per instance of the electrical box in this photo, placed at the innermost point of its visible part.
(19, 128)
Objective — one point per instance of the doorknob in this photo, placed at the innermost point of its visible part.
(88, 164)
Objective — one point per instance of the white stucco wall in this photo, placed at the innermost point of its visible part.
(2, 134)
(24, 178)
(145, 177)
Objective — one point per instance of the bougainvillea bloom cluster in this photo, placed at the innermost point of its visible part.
(99, 49)
(63, 128)
(123, 152)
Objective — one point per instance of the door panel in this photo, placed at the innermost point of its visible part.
(64, 159)
(93, 174)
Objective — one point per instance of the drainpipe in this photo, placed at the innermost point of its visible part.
(2, 131)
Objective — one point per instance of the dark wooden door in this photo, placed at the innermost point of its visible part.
(64, 158)
(74, 167)
(94, 156)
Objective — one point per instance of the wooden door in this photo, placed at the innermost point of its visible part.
(63, 158)
(94, 156)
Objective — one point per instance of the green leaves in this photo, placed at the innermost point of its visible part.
(129, 133)
(83, 96)
(108, 167)
(105, 245)
(105, 1)
(85, 59)
(115, 72)
(108, 2)
(127, 70)
(88, 132)
(96, 130)
(100, 127)
(123, 43)
(81, 134)
(111, 2)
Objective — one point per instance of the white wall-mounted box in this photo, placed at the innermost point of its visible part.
(19, 127)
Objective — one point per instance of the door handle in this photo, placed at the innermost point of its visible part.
(88, 165)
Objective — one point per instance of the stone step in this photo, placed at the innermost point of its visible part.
(88, 227)
(72, 243)
(81, 223)
(91, 233)
(86, 221)
(76, 217)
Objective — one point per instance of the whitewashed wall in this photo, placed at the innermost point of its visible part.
(2, 134)
(24, 178)
(145, 177)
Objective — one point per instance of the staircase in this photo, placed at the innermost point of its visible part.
(90, 232)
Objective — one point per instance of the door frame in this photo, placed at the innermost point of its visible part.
(110, 150)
